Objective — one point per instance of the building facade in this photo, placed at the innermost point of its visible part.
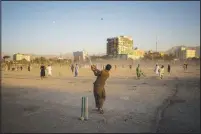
(18, 56)
(185, 53)
(80, 56)
(119, 45)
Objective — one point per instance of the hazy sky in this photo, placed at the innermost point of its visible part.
(58, 27)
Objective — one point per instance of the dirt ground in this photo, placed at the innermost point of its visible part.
(30, 104)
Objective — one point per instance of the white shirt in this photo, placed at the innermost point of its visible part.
(49, 68)
(76, 68)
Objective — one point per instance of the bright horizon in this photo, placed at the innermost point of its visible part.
(51, 27)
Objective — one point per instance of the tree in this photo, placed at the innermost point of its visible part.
(6, 57)
(169, 57)
(42, 59)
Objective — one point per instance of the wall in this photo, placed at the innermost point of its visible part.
(18, 57)
(190, 53)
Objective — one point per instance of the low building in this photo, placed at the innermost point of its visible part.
(185, 53)
(136, 54)
(18, 57)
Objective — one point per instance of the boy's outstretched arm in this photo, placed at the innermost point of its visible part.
(95, 70)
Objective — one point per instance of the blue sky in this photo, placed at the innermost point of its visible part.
(52, 27)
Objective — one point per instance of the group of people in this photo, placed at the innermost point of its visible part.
(161, 70)
(43, 69)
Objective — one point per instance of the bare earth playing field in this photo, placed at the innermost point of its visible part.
(30, 104)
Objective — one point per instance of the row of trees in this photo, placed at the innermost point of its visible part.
(157, 56)
(38, 60)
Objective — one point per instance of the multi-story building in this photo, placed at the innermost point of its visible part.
(18, 56)
(80, 56)
(120, 45)
(185, 53)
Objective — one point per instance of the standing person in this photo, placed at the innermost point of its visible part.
(99, 86)
(161, 72)
(21, 68)
(130, 66)
(168, 68)
(49, 70)
(186, 66)
(115, 66)
(138, 71)
(9, 66)
(42, 71)
(156, 69)
(76, 70)
(29, 67)
(72, 68)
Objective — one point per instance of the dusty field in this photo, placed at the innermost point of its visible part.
(146, 105)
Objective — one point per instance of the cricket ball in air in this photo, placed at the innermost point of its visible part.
(81, 118)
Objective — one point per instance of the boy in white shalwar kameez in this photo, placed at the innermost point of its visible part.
(49, 70)
(76, 70)
(157, 69)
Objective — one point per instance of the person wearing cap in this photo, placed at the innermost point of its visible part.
(99, 85)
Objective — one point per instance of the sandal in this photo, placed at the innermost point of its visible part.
(101, 111)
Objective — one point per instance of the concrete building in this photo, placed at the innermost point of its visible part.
(18, 56)
(80, 56)
(185, 53)
(119, 45)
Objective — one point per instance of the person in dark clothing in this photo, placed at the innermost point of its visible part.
(29, 68)
(130, 66)
(21, 68)
(72, 68)
(9, 66)
(42, 71)
(168, 68)
(186, 66)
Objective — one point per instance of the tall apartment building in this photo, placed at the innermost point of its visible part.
(119, 45)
